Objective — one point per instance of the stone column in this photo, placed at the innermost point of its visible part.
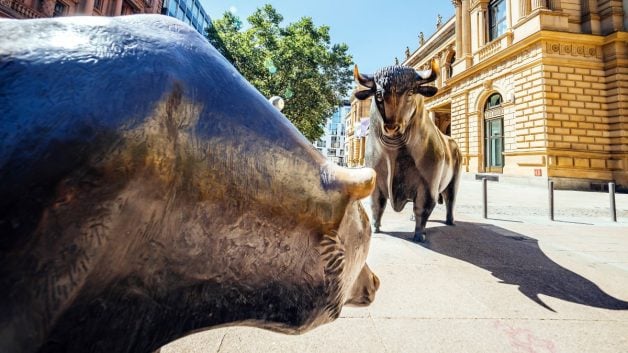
(458, 5)
(524, 8)
(539, 4)
(483, 37)
(362, 150)
(591, 15)
(509, 14)
(466, 29)
(554, 4)
(88, 9)
(117, 10)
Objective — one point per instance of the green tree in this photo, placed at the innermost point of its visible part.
(296, 62)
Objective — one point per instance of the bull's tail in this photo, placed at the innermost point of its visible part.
(449, 194)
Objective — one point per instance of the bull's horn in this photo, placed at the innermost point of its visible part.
(427, 76)
(364, 80)
(357, 183)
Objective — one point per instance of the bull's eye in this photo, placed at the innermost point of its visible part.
(379, 96)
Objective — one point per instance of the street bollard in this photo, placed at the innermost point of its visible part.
(611, 193)
(484, 198)
(551, 199)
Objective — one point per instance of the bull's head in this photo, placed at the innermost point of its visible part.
(395, 89)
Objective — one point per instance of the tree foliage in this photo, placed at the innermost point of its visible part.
(296, 62)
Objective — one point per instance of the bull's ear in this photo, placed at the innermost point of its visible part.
(363, 94)
(426, 91)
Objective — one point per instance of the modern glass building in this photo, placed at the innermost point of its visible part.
(332, 143)
(188, 11)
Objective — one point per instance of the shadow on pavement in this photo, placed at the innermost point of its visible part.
(515, 259)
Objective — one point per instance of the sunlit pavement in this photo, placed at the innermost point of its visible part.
(515, 282)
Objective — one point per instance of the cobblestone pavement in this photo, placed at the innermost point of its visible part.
(515, 282)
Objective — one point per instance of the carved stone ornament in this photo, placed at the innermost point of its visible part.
(572, 49)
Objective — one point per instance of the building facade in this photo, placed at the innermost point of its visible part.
(332, 143)
(357, 124)
(534, 89)
(189, 11)
(22, 9)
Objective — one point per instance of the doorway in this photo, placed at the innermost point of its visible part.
(494, 134)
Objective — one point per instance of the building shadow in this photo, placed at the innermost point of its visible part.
(515, 259)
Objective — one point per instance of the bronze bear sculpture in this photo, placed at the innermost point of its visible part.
(148, 191)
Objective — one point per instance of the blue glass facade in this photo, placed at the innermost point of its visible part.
(332, 143)
(188, 11)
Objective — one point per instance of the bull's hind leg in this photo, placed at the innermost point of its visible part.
(449, 194)
(423, 206)
(450, 197)
(378, 204)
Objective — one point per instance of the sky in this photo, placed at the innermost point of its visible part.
(375, 31)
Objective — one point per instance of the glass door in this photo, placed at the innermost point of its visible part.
(494, 145)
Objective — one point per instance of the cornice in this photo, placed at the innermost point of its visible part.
(437, 39)
(562, 37)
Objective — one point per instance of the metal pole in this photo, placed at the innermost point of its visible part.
(551, 199)
(484, 197)
(611, 193)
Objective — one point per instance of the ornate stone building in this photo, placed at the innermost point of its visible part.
(54, 8)
(356, 122)
(534, 88)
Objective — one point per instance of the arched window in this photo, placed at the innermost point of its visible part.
(494, 134)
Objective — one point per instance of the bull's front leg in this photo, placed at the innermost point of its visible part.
(378, 204)
(423, 206)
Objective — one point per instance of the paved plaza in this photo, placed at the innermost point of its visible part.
(515, 282)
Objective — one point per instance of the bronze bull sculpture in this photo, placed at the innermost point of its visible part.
(148, 191)
(414, 161)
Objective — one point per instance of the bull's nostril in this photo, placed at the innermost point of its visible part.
(375, 282)
(391, 128)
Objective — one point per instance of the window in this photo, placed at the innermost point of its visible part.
(497, 18)
(172, 6)
(494, 134)
(60, 9)
(126, 9)
(195, 12)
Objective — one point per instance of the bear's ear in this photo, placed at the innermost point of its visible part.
(426, 91)
(363, 94)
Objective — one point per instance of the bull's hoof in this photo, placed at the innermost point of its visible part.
(375, 229)
(419, 238)
(450, 222)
